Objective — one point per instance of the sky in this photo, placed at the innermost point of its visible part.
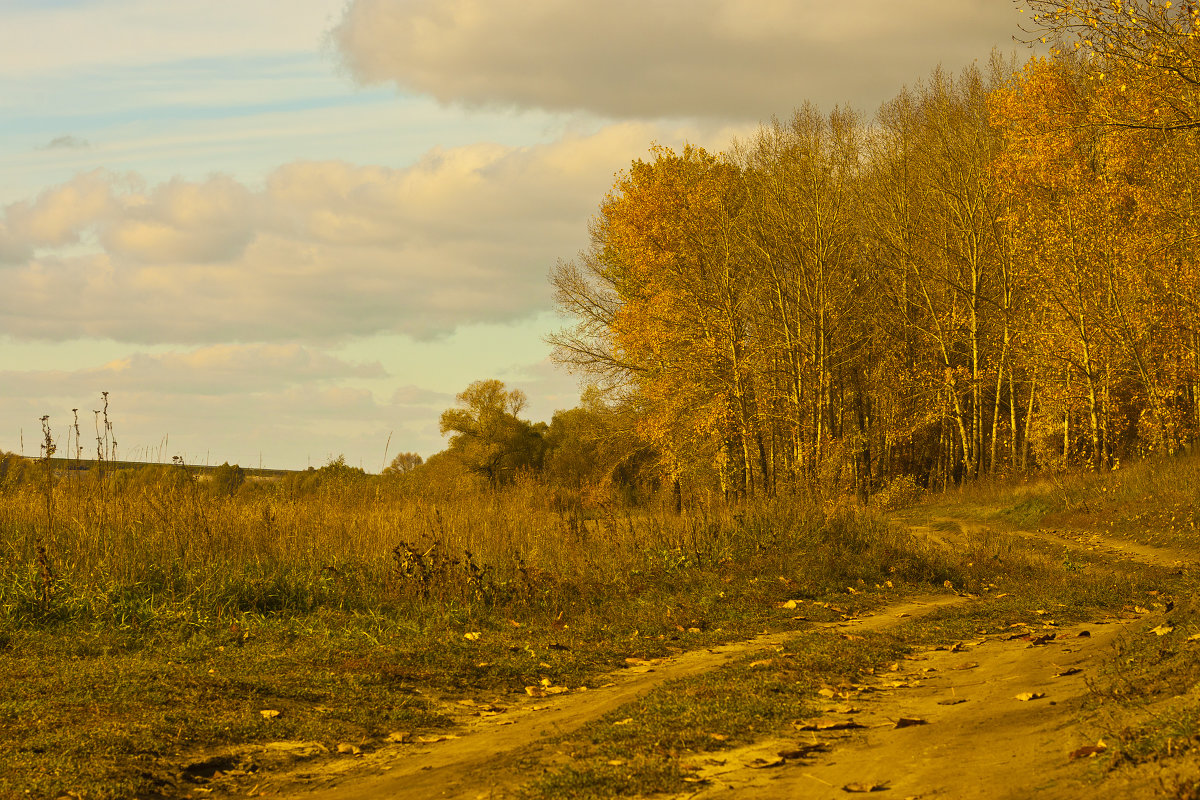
(280, 231)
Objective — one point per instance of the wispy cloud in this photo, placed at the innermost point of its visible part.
(65, 36)
(226, 369)
(65, 143)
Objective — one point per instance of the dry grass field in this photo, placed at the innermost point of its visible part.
(159, 637)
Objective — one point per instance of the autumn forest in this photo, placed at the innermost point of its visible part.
(996, 273)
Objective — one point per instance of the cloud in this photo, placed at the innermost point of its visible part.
(65, 143)
(321, 251)
(412, 395)
(184, 222)
(226, 369)
(727, 59)
(51, 36)
(57, 216)
(292, 404)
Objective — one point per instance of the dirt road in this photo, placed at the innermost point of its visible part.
(945, 724)
(487, 756)
(996, 717)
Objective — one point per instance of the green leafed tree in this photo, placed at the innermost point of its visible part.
(487, 435)
(403, 464)
(226, 479)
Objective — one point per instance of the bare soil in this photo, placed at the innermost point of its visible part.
(946, 724)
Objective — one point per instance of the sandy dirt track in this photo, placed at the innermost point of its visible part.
(485, 760)
(970, 736)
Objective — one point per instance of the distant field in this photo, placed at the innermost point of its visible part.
(72, 464)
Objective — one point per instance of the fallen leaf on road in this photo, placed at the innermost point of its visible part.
(399, 737)
(1062, 673)
(535, 691)
(349, 749)
(952, 701)
(269, 713)
(1089, 751)
(789, 604)
(908, 722)
(766, 662)
(1162, 630)
(967, 665)
(804, 751)
(862, 788)
(434, 739)
(761, 763)
(827, 693)
(1030, 696)
(826, 724)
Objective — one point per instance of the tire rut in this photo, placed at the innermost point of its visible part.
(491, 755)
(937, 530)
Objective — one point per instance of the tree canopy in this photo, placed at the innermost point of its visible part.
(486, 434)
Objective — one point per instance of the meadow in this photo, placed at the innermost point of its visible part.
(152, 618)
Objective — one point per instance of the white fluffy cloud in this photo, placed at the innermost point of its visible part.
(730, 59)
(183, 222)
(321, 251)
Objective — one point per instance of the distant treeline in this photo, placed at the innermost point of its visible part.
(76, 464)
